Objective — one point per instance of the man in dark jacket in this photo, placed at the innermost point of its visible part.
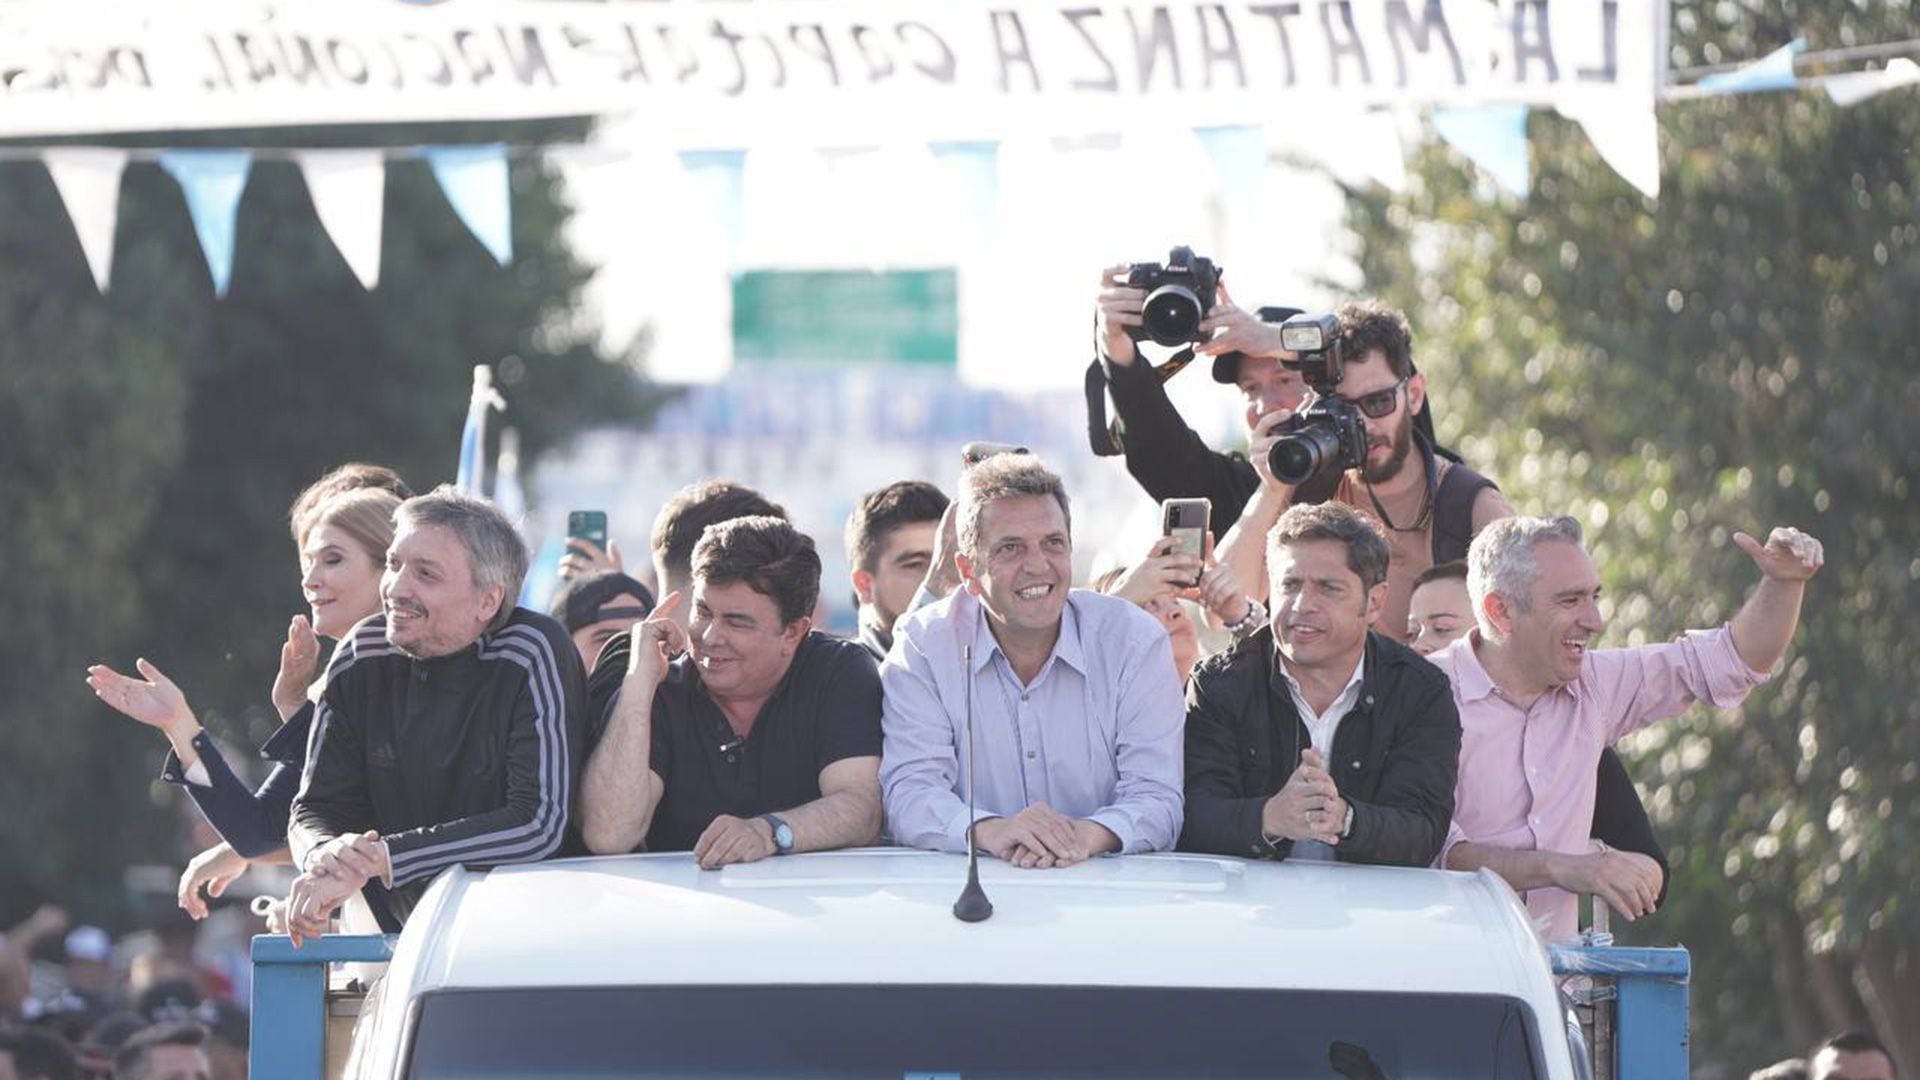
(450, 730)
(1318, 738)
(1164, 454)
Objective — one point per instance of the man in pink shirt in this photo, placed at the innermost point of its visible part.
(1538, 704)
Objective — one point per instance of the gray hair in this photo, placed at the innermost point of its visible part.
(1501, 559)
(494, 547)
(1000, 477)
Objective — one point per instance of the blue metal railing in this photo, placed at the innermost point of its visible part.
(1650, 1003)
(290, 999)
(290, 1006)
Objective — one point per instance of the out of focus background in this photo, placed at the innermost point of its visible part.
(1667, 283)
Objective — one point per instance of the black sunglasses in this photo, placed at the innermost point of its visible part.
(1379, 403)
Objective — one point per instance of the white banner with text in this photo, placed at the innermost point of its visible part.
(708, 75)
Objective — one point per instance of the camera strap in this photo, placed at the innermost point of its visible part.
(1104, 436)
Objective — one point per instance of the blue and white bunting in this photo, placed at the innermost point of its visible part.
(212, 181)
(718, 178)
(1494, 137)
(1857, 86)
(971, 171)
(1628, 140)
(475, 181)
(348, 189)
(1773, 71)
(88, 179)
(1238, 156)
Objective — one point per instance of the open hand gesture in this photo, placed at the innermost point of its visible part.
(299, 659)
(153, 700)
(1789, 554)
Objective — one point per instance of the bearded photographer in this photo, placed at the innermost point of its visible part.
(1162, 452)
(1429, 505)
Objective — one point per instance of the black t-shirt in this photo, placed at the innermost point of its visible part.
(825, 709)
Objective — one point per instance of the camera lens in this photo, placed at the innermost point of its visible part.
(1300, 455)
(1172, 315)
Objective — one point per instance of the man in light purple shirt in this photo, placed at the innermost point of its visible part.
(1537, 705)
(1077, 708)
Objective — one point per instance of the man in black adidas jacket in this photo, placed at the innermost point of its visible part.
(450, 730)
(1318, 738)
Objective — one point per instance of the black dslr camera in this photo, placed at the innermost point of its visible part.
(1329, 436)
(1179, 295)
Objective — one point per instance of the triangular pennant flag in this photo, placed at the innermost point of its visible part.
(1493, 137)
(1773, 71)
(212, 181)
(1239, 156)
(88, 179)
(718, 176)
(972, 171)
(1855, 87)
(1374, 141)
(1628, 140)
(476, 183)
(348, 189)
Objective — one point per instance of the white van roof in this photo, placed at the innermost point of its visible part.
(884, 916)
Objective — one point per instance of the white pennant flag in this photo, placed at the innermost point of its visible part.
(1628, 140)
(1380, 149)
(348, 189)
(88, 179)
(1855, 87)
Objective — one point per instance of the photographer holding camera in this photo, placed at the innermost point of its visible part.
(1180, 304)
(1359, 434)
(1360, 430)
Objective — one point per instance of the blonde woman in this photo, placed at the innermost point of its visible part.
(343, 544)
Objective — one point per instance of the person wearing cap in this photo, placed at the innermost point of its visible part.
(89, 965)
(1431, 505)
(1162, 452)
(597, 605)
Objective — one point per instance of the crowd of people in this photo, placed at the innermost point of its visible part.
(1393, 667)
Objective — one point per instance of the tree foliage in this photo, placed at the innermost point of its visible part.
(155, 436)
(1742, 352)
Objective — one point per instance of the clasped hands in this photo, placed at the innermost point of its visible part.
(1039, 837)
(333, 872)
(1307, 807)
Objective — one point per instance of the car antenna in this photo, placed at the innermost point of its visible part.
(973, 905)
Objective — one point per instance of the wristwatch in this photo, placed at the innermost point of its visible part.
(1246, 624)
(782, 834)
(1347, 825)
